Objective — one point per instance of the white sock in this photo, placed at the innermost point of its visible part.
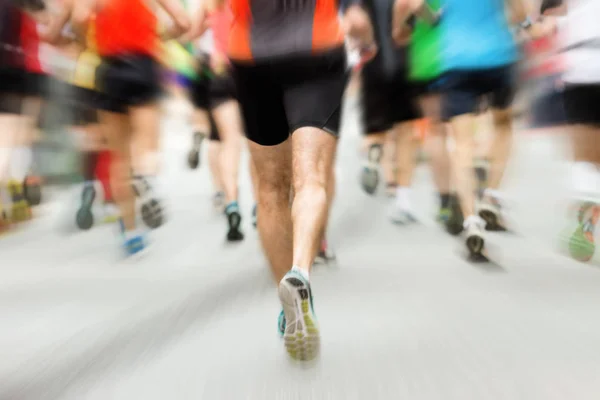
(492, 193)
(473, 220)
(134, 233)
(302, 272)
(403, 198)
(584, 177)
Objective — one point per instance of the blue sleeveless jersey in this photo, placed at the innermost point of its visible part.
(476, 35)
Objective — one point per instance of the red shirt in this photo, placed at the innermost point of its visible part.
(126, 27)
(30, 42)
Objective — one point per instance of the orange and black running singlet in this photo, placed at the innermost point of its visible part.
(126, 27)
(265, 29)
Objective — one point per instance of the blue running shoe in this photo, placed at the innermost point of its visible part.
(135, 245)
(301, 333)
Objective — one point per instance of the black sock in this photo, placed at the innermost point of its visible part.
(90, 160)
(444, 200)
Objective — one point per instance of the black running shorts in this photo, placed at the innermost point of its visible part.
(221, 89)
(128, 81)
(278, 97)
(199, 93)
(84, 105)
(387, 100)
(214, 132)
(12, 90)
(581, 104)
(463, 90)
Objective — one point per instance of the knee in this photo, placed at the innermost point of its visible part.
(232, 139)
(314, 185)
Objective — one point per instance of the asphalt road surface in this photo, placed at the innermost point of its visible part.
(402, 314)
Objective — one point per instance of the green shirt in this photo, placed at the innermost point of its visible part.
(425, 53)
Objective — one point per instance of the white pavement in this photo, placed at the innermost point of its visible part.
(403, 316)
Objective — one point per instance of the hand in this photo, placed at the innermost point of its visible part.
(358, 28)
(402, 35)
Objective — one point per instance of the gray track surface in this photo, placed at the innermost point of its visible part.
(402, 315)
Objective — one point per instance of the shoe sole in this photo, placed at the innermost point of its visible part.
(84, 217)
(491, 220)
(370, 174)
(407, 220)
(302, 339)
(475, 244)
(234, 220)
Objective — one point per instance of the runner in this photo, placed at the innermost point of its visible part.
(127, 41)
(290, 69)
(16, 30)
(581, 48)
(476, 66)
(225, 111)
(84, 103)
(389, 104)
(425, 63)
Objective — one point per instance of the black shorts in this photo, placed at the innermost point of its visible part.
(128, 81)
(283, 95)
(387, 101)
(548, 110)
(12, 90)
(221, 89)
(582, 104)
(464, 90)
(214, 131)
(85, 104)
(199, 93)
(428, 88)
(37, 84)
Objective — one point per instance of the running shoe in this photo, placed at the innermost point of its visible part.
(85, 217)
(325, 254)
(474, 239)
(194, 153)
(4, 221)
(581, 243)
(20, 211)
(281, 323)
(32, 190)
(455, 222)
(234, 220)
(301, 333)
(135, 245)
(443, 215)
(490, 210)
(370, 172)
(400, 216)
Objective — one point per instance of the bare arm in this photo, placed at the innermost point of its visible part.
(56, 23)
(182, 23)
(199, 24)
(519, 12)
(426, 13)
